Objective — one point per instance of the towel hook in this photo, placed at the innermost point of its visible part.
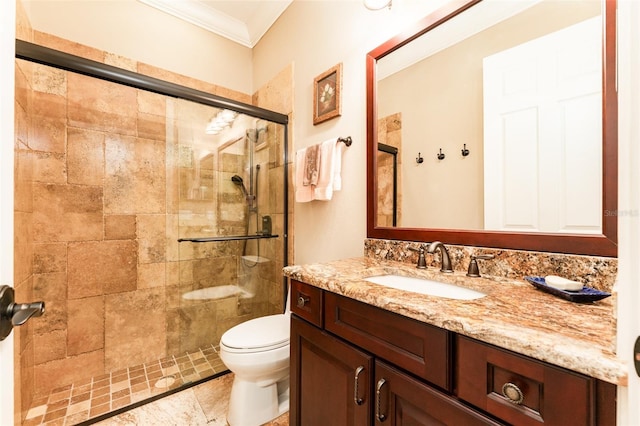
(465, 151)
(440, 155)
(419, 159)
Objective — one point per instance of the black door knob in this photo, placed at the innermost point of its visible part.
(13, 314)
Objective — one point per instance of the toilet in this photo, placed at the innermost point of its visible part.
(257, 352)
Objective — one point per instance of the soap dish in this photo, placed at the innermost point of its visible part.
(587, 294)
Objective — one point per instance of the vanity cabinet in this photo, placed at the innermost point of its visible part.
(356, 364)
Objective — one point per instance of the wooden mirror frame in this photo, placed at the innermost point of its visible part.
(604, 244)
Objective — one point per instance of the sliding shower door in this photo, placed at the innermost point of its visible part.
(225, 226)
(151, 220)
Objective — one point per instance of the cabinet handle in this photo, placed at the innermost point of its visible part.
(512, 393)
(302, 300)
(357, 399)
(381, 417)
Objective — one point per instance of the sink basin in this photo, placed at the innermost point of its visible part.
(425, 286)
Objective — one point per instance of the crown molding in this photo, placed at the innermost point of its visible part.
(204, 14)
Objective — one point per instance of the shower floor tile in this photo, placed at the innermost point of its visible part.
(79, 402)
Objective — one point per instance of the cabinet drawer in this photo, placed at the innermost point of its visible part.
(521, 390)
(406, 401)
(416, 347)
(306, 302)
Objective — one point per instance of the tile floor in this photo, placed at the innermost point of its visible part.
(79, 402)
(204, 404)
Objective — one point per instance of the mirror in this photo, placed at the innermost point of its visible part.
(480, 157)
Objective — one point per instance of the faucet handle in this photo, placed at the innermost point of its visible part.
(474, 270)
(422, 261)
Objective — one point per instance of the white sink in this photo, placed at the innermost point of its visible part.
(425, 286)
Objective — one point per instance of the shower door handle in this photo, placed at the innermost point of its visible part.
(13, 314)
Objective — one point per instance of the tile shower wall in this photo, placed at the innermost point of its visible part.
(112, 252)
(389, 133)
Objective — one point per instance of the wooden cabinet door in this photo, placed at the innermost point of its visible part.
(521, 390)
(330, 380)
(401, 400)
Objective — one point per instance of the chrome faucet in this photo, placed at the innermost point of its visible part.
(445, 261)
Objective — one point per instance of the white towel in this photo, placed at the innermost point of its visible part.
(328, 158)
(337, 167)
(304, 193)
(328, 154)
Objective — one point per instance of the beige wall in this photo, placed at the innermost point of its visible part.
(314, 36)
(441, 102)
(134, 30)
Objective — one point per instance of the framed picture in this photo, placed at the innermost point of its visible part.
(327, 88)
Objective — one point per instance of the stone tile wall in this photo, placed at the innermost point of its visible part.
(389, 133)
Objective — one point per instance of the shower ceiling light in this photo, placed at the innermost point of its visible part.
(377, 4)
(227, 115)
(223, 119)
(213, 129)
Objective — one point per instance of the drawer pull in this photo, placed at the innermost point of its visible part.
(356, 398)
(302, 300)
(512, 393)
(381, 417)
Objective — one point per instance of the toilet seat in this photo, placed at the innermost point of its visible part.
(257, 335)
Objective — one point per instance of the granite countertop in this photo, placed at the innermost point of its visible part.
(514, 315)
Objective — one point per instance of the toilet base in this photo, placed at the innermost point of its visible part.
(254, 405)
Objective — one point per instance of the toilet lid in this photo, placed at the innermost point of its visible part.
(264, 333)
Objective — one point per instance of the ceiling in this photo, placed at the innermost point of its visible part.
(242, 21)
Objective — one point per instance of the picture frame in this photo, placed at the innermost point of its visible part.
(327, 95)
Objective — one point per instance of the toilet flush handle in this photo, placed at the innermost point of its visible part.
(13, 314)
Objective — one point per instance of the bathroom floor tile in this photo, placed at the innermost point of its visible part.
(91, 397)
(204, 404)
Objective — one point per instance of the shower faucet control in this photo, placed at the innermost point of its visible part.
(266, 225)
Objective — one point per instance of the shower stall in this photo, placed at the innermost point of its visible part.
(156, 218)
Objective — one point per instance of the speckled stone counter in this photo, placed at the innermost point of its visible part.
(513, 315)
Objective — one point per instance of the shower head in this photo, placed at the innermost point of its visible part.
(240, 182)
